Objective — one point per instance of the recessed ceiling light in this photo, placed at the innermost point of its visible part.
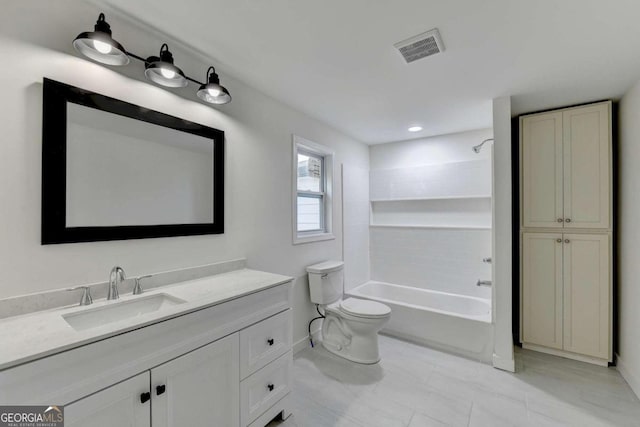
(415, 129)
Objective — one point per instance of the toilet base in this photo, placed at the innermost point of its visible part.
(346, 355)
(352, 339)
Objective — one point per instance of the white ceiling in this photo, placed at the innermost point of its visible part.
(335, 60)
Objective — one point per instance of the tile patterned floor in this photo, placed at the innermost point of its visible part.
(416, 386)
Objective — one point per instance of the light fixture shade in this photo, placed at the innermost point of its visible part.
(212, 92)
(99, 46)
(161, 70)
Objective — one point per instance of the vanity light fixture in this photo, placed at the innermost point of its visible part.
(99, 46)
(162, 71)
(415, 129)
(212, 92)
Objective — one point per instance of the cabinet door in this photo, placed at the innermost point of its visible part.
(587, 293)
(587, 171)
(542, 289)
(119, 405)
(201, 388)
(541, 139)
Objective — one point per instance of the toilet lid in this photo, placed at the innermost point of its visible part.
(364, 308)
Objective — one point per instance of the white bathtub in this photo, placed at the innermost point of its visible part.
(455, 323)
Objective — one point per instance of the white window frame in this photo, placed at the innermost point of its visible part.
(305, 146)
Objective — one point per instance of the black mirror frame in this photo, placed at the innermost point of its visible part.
(56, 95)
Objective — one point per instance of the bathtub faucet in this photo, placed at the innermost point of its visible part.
(483, 283)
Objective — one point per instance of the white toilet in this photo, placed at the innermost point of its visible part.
(350, 328)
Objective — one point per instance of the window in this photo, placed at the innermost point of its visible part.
(312, 184)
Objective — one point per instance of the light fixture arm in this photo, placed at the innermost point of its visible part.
(102, 25)
(212, 76)
(165, 55)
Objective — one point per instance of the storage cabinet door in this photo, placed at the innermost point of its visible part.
(542, 289)
(542, 188)
(118, 405)
(264, 342)
(587, 295)
(587, 161)
(201, 388)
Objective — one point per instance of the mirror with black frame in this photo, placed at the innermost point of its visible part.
(112, 170)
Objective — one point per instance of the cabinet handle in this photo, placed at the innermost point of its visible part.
(567, 220)
(160, 389)
(567, 241)
(144, 397)
(560, 220)
(270, 387)
(559, 240)
(270, 341)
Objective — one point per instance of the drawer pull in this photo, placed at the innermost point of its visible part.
(145, 397)
(270, 387)
(270, 341)
(160, 389)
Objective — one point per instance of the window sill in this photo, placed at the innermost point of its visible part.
(309, 238)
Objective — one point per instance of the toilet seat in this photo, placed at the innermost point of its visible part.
(364, 308)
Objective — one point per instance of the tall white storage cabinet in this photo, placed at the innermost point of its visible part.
(566, 232)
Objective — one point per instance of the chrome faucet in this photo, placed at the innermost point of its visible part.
(483, 283)
(116, 276)
(137, 289)
(86, 294)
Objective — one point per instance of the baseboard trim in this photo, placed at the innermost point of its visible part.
(503, 364)
(304, 343)
(632, 380)
(566, 354)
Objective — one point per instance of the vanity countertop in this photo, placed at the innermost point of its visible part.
(35, 335)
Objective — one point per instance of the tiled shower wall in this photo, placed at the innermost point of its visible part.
(431, 213)
(438, 259)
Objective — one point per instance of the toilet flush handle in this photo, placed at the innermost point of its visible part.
(324, 276)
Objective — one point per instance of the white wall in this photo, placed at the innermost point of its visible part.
(502, 250)
(432, 244)
(35, 41)
(628, 235)
(455, 147)
(355, 187)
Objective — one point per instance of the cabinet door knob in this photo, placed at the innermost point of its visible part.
(567, 220)
(567, 241)
(270, 341)
(559, 240)
(270, 387)
(160, 389)
(560, 220)
(144, 397)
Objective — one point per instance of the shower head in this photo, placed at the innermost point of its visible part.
(477, 148)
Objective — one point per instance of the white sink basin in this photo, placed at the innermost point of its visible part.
(116, 311)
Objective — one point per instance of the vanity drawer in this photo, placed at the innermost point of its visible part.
(266, 387)
(264, 342)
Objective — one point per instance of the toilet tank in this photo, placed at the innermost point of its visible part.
(325, 282)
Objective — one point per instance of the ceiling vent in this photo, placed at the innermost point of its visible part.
(420, 46)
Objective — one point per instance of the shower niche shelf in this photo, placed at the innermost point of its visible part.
(447, 212)
(433, 227)
(434, 198)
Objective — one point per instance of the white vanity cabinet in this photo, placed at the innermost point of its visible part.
(198, 389)
(118, 405)
(184, 371)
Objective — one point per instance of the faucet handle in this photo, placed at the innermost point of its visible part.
(137, 289)
(85, 299)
